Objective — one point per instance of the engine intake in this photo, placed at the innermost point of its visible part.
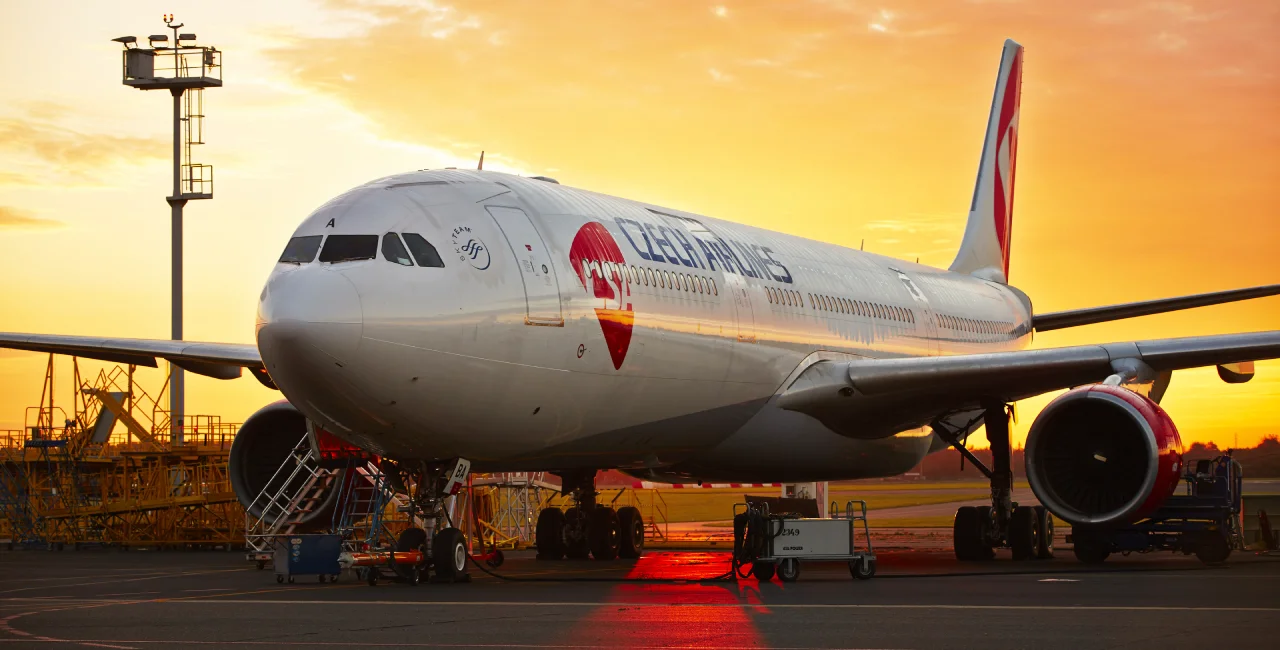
(265, 441)
(1103, 455)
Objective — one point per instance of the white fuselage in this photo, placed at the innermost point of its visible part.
(654, 340)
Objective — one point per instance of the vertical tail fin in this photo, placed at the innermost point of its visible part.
(984, 252)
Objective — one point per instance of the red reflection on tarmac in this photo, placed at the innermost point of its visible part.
(688, 615)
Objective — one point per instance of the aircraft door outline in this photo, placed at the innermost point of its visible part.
(537, 273)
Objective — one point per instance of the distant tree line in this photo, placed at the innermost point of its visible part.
(1262, 461)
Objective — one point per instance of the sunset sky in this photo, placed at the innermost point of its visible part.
(1149, 157)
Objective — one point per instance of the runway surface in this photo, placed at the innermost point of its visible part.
(919, 599)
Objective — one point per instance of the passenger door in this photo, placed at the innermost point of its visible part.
(541, 288)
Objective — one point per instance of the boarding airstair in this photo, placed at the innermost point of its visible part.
(300, 487)
(295, 490)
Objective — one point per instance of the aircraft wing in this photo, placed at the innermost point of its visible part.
(856, 396)
(1091, 315)
(219, 360)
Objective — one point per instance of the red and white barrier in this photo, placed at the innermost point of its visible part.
(650, 485)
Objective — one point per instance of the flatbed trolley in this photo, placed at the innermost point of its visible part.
(1204, 519)
(777, 543)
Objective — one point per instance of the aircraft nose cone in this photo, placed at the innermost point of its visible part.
(308, 311)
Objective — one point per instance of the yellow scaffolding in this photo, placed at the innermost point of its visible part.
(105, 473)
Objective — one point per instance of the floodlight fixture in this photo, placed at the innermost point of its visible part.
(126, 40)
(157, 38)
(186, 37)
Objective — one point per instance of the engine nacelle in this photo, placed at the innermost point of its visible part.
(1103, 455)
(265, 441)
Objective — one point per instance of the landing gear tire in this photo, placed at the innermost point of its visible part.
(763, 571)
(412, 539)
(449, 554)
(862, 569)
(549, 535)
(1213, 550)
(1022, 533)
(1091, 552)
(969, 534)
(630, 533)
(602, 533)
(789, 570)
(279, 578)
(576, 544)
(1044, 533)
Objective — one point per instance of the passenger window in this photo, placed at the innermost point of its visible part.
(348, 248)
(714, 290)
(394, 251)
(702, 285)
(301, 250)
(649, 274)
(422, 250)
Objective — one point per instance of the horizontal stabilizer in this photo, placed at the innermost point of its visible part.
(1077, 317)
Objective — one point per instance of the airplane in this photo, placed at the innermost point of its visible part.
(446, 320)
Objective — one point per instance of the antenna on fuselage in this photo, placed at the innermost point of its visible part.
(863, 245)
(481, 165)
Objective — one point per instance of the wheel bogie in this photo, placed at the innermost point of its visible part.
(1044, 533)
(549, 534)
(630, 533)
(577, 545)
(602, 533)
(1023, 533)
(449, 554)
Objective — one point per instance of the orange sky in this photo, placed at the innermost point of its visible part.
(1149, 148)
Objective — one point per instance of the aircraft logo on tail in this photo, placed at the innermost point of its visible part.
(1007, 157)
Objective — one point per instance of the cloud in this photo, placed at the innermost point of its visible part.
(68, 151)
(16, 219)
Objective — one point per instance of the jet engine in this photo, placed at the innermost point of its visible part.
(258, 470)
(1103, 455)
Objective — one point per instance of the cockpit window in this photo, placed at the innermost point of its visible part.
(422, 250)
(346, 248)
(301, 250)
(394, 251)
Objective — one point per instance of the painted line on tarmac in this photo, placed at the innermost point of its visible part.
(366, 644)
(112, 582)
(501, 603)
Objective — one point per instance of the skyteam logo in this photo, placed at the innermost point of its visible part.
(470, 249)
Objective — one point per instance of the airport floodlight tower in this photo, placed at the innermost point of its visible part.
(185, 70)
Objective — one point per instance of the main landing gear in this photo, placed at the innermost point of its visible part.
(588, 528)
(979, 530)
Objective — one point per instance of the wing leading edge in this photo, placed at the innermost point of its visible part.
(218, 360)
(854, 397)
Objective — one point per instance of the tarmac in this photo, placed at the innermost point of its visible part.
(920, 598)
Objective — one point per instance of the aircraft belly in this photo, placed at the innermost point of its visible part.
(778, 445)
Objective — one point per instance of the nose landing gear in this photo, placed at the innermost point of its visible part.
(588, 528)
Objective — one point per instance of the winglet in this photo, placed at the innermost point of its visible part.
(984, 252)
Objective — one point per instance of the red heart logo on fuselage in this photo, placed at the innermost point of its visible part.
(599, 265)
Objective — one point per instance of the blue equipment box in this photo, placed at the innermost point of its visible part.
(307, 555)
